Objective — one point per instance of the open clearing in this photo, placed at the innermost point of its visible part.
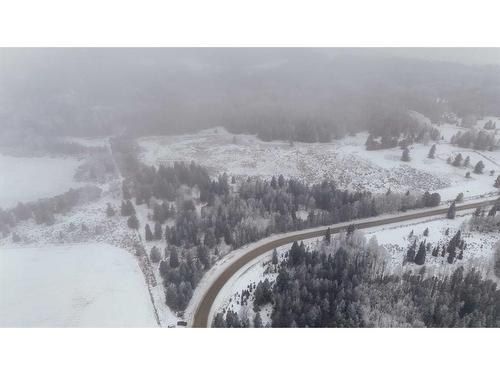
(83, 285)
(345, 161)
(24, 179)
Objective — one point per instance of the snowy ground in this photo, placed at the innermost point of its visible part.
(396, 240)
(24, 179)
(87, 142)
(85, 285)
(345, 161)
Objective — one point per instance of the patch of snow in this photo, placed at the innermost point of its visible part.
(24, 179)
(84, 285)
(344, 161)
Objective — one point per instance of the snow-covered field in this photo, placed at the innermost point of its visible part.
(84, 285)
(87, 142)
(24, 179)
(345, 161)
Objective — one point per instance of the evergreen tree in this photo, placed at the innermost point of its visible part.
(410, 254)
(219, 321)
(371, 144)
(406, 155)
(420, 257)
(478, 169)
(497, 182)
(275, 257)
(328, 235)
(132, 222)
(458, 160)
(155, 255)
(467, 161)
(174, 258)
(432, 152)
(257, 321)
(452, 211)
(426, 232)
(158, 232)
(148, 235)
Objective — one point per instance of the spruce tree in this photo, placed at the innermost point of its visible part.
(478, 169)
(458, 160)
(257, 321)
(497, 182)
(328, 235)
(410, 254)
(452, 211)
(158, 232)
(148, 235)
(432, 152)
(132, 222)
(420, 257)
(275, 257)
(155, 255)
(406, 155)
(174, 258)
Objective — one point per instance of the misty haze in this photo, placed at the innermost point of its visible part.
(249, 187)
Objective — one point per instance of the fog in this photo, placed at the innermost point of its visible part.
(87, 92)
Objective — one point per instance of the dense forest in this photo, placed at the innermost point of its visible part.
(476, 139)
(290, 94)
(345, 284)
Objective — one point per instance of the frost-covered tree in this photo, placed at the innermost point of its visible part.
(275, 257)
(452, 211)
(174, 258)
(406, 155)
(457, 162)
(497, 182)
(158, 232)
(328, 235)
(155, 255)
(420, 257)
(132, 222)
(432, 152)
(257, 321)
(148, 235)
(479, 167)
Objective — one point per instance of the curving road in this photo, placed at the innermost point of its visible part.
(202, 312)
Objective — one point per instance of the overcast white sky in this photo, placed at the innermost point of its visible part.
(461, 55)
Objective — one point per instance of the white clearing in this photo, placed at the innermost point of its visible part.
(81, 285)
(24, 179)
(345, 161)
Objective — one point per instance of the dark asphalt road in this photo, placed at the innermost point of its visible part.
(203, 310)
